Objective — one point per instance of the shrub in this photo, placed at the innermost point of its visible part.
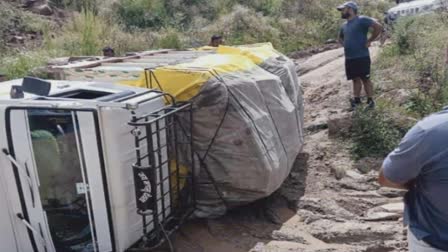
(21, 64)
(404, 35)
(170, 40)
(418, 51)
(421, 104)
(141, 13)
(88, 33)
(242, 26)
(374, 133)
(267, 7)
(131, 25)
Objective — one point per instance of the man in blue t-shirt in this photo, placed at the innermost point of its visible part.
(420, 165)
(353, 35)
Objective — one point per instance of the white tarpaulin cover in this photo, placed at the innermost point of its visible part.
(248, 117)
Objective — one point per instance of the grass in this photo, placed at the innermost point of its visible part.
(375, 133)
(85, 34)
(134, 25)
(14, 19)
(21, 64)
(414, 60)
(88, 33)
(418, 52)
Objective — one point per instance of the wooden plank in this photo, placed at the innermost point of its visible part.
(96, 63)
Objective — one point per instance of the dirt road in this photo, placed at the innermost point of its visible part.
(326, 204)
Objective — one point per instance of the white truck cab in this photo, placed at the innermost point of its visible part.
(67, 181)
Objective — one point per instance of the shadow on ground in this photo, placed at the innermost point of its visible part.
(245, 227)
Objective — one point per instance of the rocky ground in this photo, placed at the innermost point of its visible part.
(329, 202)
(18, 31)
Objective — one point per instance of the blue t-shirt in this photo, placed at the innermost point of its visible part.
(354, 33)
(422, 156)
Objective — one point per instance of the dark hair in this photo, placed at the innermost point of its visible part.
(216, 37)
(108, 49)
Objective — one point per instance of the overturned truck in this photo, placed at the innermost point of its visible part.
(248, 114)
(175, 134)
(247, 125)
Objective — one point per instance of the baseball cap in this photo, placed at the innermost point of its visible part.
(215, 37)
(108, 49)
(350, 4)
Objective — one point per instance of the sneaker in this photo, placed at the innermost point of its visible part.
(370, 104)
(354, 102)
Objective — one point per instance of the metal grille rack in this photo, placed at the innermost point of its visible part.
(164, 183)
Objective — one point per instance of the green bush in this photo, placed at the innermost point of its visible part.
(141, 13)
(21, 64)
(421, 104)
(267, 7)
(432, 93)
(374, 133)
(418, 51)
(88, 33)
(241, 26)
(404, 35)
(290, 25)
(170, 40)
(133, 25)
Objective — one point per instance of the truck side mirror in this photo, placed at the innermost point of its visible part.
(16, 92)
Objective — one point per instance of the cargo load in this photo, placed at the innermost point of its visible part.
(248, 121)
(248, 114)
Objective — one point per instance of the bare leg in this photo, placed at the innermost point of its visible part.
(368, 87)
(357, 87)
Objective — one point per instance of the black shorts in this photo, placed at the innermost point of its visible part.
(357, 68)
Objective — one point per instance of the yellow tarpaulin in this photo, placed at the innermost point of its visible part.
(184, 81)
(258, 53)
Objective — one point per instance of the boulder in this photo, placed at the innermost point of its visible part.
(355, 175)
(325, 207)
(43, 9)
(382, 216)
(393, 207)
(380, 247)
(387, 212)
(47, 73)
(365, 165)
(349, 184)
(352, 231)
(338, 171)
(17, 40)
(58, 61)
(339, 125)
(391, 193)
(288, 234)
